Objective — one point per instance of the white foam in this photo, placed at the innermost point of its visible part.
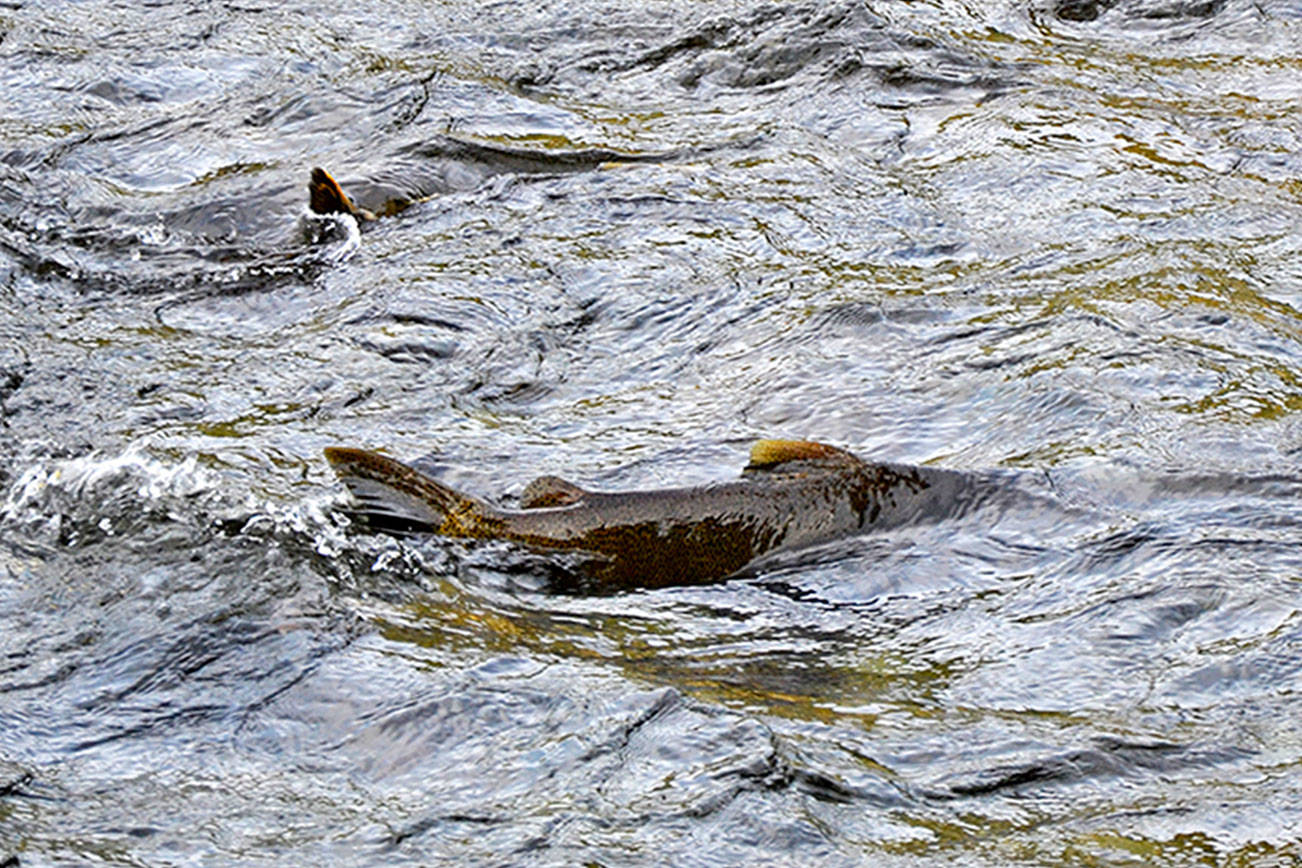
(339, 230)
(96, 489)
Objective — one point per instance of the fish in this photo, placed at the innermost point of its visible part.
(442, 164)
(792, 494)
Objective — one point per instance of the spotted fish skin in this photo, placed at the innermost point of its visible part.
(791, 495)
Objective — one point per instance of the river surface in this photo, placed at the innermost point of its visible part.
(1053, 243)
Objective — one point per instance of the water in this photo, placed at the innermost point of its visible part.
(1053, 242)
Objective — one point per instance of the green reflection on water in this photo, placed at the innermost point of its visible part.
(822, 679)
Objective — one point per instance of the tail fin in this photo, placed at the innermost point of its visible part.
(394, 496)
(325, 196)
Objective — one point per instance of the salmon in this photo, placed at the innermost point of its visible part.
(441, 164)
(791, 495)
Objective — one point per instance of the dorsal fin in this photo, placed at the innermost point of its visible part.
(769, 456)
(325, 196)
(548, 491)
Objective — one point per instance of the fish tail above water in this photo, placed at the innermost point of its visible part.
(392, 494)
(327, 197)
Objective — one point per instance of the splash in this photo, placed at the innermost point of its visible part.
(69, 499)
(339, 231)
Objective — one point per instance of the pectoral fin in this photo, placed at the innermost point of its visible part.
(550, 491)
(796, 456)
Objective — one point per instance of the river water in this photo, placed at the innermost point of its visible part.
(1057, 244)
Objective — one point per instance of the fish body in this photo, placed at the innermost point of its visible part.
(793, 494)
